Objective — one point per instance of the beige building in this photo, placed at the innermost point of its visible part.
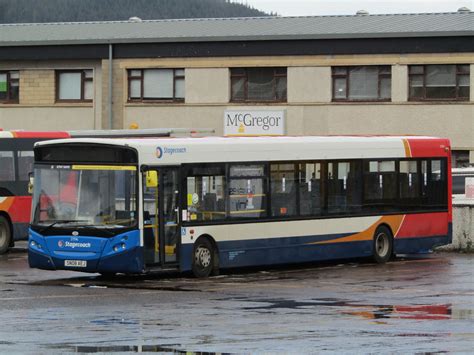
(361, 74)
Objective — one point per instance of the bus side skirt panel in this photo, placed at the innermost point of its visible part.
(260, 252)
(421, 245)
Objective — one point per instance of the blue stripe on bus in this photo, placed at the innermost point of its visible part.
(292, 250)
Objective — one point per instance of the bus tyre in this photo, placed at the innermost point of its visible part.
(5, 235)
(383, 245)
(204, 258)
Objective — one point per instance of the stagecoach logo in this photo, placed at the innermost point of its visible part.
(73, 245)
(160, 151)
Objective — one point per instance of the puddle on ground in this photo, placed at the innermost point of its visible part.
(111, 321)
(368, 311)
(127, 348)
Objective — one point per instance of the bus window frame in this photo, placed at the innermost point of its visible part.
(394, 206)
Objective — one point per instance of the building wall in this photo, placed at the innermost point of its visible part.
(309, 109)
(37, 108)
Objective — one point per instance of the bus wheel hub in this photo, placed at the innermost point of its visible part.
(203, 256)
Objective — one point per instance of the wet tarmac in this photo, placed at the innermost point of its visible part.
(410, 305)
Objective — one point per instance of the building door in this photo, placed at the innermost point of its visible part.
(161, 217)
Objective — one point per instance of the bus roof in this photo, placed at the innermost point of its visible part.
(110, 133)
(168, 151)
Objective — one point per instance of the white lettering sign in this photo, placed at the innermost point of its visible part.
(254, 123)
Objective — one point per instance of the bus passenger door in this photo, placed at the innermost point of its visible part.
(161, 217)
(169, 216)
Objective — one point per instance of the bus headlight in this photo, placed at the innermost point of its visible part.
(34, 244)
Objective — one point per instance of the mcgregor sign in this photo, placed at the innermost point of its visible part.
(254, 123)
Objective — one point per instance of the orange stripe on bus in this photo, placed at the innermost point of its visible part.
(394, 222)
(6, 204)
(406, 144)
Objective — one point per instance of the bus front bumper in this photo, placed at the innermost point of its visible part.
(100, 256)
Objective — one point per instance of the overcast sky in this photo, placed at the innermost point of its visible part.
(350, 7)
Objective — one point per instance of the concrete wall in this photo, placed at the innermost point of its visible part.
(463, 228)
(47, 118)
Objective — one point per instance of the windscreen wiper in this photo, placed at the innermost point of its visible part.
(61, 221)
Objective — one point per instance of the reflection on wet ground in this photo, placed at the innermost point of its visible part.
(127, 348)
(414, 304)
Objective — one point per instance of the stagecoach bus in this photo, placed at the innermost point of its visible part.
(201, 204)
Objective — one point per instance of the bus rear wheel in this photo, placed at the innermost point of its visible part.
(383, 245)
(5, 235)
(204, 258)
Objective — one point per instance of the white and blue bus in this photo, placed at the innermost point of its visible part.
(200, 204)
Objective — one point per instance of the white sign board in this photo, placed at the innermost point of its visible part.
(470, 187)
(254, 123)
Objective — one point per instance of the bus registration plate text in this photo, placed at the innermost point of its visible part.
(75, 263)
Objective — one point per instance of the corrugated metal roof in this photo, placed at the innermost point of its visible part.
(240, 29)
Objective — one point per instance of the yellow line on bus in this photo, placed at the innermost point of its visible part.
(103, 167)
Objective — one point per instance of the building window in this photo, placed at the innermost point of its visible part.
(367, 83)
(156, 84)
(9, 86)
(74, 85)
(258, 84)
(439, 82)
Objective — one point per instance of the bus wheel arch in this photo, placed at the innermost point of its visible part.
(383, 244)
(6, 232)
(205, 260)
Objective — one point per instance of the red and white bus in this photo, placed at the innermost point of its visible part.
(16, 162)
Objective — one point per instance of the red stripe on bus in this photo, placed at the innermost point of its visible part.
(41, 134)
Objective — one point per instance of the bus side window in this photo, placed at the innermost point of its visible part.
(409, 179)
(283, 189)
(310, 189)
(344, 187)
(25, 164)
(206, 193)
(7, 164)
(380, 184)
(437, 191)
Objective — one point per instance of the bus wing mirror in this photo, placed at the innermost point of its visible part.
(151, 178)
(31, 183)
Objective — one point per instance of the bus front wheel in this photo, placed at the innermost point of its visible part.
(5, 235)
(204, 258)
(383, 245)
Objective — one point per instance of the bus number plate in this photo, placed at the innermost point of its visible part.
(75, 263)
